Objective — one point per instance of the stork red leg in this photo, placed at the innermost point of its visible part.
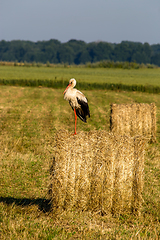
(75, 121)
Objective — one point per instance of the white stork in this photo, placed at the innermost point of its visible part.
(77, 101)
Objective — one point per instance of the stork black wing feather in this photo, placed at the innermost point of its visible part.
(83, 111)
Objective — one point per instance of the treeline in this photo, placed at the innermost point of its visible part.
(78, 52)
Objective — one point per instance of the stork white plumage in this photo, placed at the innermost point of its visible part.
(77, 101)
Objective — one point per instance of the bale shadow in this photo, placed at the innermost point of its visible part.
(43, 204)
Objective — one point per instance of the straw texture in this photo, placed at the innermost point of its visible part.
(134, 119)
(97, 171)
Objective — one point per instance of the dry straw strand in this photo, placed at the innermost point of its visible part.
(134, 119)
(138, 174)
(97, 171)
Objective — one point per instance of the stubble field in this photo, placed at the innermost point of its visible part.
(29, 119)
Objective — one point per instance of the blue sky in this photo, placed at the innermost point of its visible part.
(100, 20)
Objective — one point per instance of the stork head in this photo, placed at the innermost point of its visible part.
(72, 84)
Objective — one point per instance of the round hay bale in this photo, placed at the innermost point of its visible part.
(97, 171)
(134, 119)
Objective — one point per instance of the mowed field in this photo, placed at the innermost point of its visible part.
(30, 118)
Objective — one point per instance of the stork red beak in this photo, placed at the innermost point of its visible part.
(66, 88)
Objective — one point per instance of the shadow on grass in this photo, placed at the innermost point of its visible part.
(43, 204)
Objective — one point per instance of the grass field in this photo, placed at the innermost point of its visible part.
(29, 119)
(82, 74)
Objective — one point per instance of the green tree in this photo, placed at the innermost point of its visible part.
(156, 59)
(65, 54)
(83, 57)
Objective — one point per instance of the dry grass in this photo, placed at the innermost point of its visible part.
(29, 119)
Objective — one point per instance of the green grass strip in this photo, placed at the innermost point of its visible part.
(80, 85)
